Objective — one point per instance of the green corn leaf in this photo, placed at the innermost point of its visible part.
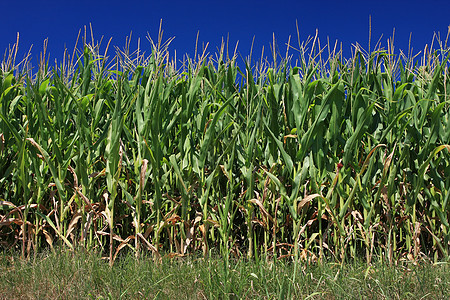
(421, 173)
(50, 222)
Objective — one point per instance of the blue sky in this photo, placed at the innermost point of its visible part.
(345, 21)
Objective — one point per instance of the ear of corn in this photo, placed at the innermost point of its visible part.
(335, 158)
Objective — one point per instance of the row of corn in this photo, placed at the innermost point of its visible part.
(300, 158)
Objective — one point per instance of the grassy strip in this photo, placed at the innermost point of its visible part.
(80, 275)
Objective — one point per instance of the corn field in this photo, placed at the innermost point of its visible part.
(310, 156)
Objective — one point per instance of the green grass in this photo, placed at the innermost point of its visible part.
(81, 275)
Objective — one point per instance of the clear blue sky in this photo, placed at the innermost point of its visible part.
(345, 21)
